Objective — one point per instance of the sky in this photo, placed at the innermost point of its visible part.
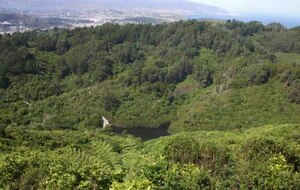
(276, 8)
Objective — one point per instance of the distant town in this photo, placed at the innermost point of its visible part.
(14, 20)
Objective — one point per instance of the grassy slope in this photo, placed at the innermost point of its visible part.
(194, 109)
(186, 106)
(248, 107)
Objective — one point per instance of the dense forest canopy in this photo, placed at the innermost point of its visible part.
(189, 75)
(141, 75)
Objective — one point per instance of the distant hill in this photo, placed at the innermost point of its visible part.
(24, 21)
(181, 5)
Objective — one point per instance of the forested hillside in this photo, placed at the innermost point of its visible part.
(235, 85)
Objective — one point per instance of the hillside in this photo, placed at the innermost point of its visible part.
(229, 93)
(180, 5)
(193, 75)
(23, 21)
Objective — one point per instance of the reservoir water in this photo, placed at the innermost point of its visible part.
(144, 133)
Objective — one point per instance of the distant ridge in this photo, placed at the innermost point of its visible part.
(180, 5)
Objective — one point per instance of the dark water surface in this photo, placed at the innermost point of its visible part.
(144, 133)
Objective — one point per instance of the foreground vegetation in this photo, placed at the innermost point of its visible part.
(229, 92)
(262, 158)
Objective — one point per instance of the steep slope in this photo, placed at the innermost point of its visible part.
(191, 75)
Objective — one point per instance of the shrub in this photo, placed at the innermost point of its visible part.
(275, 173)
(183, 150)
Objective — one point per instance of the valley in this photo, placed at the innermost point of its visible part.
(192, 105)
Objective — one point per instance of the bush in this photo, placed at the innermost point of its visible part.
(210, 156)
(166, 175)
(183, 150)
(294, 92)
(110, 102)
(275, 173)
(23, 170)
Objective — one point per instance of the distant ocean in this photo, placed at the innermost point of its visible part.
(287, 22)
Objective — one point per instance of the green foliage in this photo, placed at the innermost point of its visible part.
(183, 150)
(143, 69)
(264, 157)
(204, 67)
(275, 173)
(23, 170)
(220, 80)
(163, 175)
(110, 102)
(96, 168)
(255, 158)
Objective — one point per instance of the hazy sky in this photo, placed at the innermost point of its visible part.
(284, 8)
